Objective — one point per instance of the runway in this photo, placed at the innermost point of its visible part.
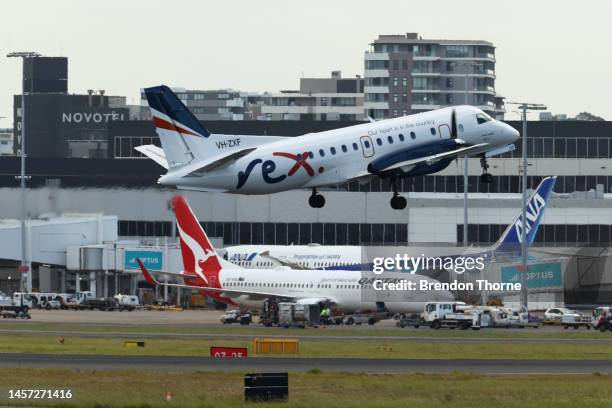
(271, 364)
(261, 332)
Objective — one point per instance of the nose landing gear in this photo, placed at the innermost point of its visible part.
(316, 200)
(485, 177)
(397, 201)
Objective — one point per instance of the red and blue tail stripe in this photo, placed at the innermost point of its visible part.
(170, 113)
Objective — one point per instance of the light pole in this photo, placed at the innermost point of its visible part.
(25, 265)
(466, 65)
(525, 106)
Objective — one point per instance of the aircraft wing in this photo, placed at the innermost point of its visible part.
(292, 265)
(460, 152)
(154, 153)
(173, 274)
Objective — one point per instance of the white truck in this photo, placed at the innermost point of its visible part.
(463, 316)
(127, 302)
(9, 307)
(452, 315)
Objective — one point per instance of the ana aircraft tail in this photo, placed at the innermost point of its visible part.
(510, 241)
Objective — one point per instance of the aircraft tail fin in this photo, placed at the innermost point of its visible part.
(510, 241)
(199, 256)
(180, 133)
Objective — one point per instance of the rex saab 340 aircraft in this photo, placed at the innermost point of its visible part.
(205, 271)
(348, 257)
(407, 146)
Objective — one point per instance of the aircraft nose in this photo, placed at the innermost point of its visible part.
(513, 134)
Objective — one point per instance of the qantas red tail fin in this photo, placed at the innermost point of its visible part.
(199, 256)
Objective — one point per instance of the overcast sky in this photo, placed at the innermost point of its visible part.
(552, 52)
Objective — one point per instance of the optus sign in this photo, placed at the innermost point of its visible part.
(152, 260)
(543, 275)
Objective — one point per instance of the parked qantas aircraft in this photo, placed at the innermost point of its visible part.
(208, 273)
(407, 146)
(347, 257)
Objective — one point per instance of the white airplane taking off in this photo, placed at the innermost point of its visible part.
(348, 257)
(407, 146)
(205, 271)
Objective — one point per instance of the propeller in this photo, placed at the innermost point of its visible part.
(453, 124)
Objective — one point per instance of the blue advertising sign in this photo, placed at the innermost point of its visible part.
(543, 275)
(152, 260)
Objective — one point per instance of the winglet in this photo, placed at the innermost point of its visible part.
(146, 273)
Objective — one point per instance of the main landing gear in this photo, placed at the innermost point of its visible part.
(485, 177)
(316, 200)
(397, 201)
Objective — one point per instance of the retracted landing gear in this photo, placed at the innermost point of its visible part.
(316, 200)
(485, 177)
(397, 201)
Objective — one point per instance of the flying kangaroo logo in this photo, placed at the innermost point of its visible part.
(269, 166)
(200, 255)
(534, 209)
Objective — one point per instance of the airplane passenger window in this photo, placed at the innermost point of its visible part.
(366, 144)
(321, 152)
(412, 135)
(344, 149)
(401, 137)
(390, 139)
(332, 150)
(460, 127)
(433, 131)
(379, 142)
(355, 146)
(311, 155)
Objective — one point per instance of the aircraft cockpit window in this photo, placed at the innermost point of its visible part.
(482, 118)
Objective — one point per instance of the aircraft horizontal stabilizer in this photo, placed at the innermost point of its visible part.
(221, 161)
(230, 293)
(154, 153)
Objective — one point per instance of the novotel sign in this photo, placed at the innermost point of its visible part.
(91, 117)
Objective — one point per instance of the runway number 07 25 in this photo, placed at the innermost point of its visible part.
(239, 352)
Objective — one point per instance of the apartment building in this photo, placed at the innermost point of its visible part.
(406, 74)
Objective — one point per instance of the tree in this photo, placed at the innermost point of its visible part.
(588, 116)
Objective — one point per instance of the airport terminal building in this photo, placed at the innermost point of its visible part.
(579, 214)
(81, 160)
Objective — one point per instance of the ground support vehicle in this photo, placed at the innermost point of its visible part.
(576, 322)
(237, 316)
